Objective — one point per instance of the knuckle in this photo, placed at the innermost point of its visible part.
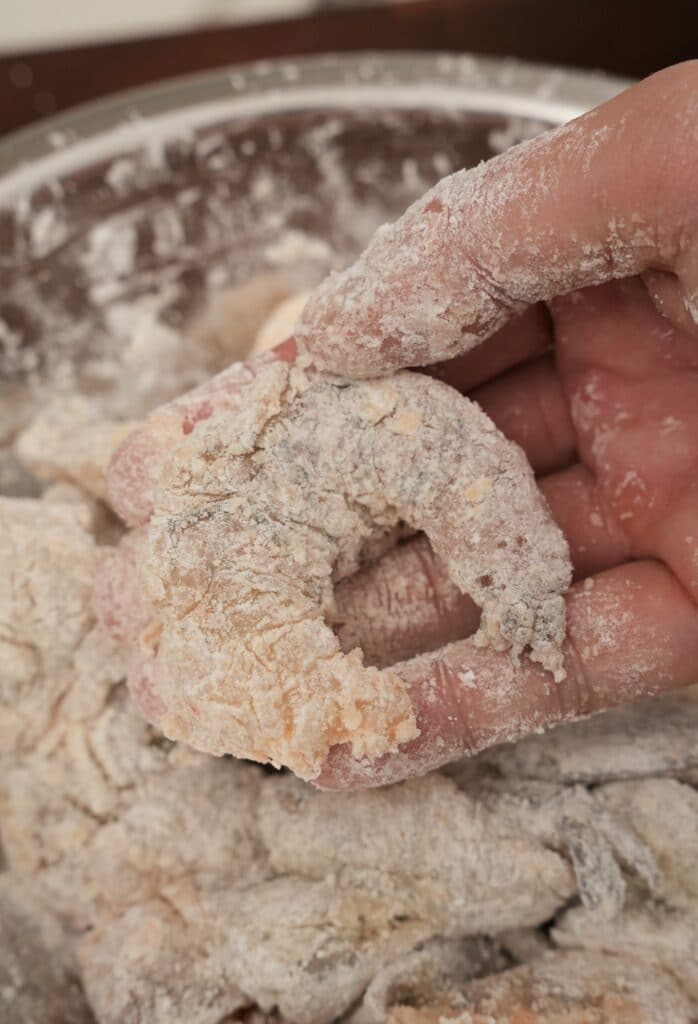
(576, 694)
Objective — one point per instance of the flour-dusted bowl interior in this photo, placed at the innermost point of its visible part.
(121, 222)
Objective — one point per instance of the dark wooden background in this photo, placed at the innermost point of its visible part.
(630, 37)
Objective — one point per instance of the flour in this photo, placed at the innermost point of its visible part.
(588, 988)
(189, 884)
(480, 247)
(176, 885)
(314, 475)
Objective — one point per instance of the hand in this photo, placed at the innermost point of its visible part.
(601, 391)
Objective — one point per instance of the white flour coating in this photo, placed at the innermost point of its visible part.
(559, 988)
(233, 319)
(664, 814)
(37, 979)
(262, 510)
(49, 560)
(190, 887)
(69, 440)
(487, 242)
(363, 878)
(650, 933)
(647, 738)
(464, 277)
(425, 975)
(596, 838)
(155, 857)
(136, 466)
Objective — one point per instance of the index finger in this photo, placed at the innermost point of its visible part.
(612, 194)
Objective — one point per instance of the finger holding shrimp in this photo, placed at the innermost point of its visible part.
(261, 510)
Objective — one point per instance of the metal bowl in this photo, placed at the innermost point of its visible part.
(136, 209)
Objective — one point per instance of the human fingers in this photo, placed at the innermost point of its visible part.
(632, 384)
(632, 631)
(136, 464)
(414, 587)
(399, 606)
(612, 194)
(593, 532)
(526, 336)
(405, 603)
(529, 406)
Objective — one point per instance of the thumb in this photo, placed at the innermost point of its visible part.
(612, 194)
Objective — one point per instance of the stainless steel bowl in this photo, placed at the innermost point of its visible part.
(145, 204)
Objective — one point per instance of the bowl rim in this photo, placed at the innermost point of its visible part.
(145, 116)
